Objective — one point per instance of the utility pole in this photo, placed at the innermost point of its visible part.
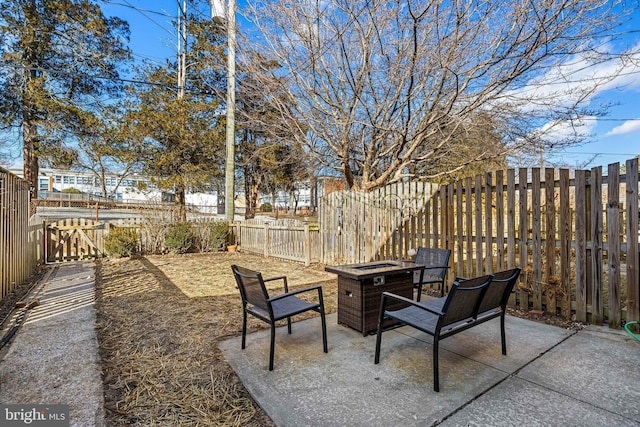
(216, 10)
(179, 189)
(182, 48)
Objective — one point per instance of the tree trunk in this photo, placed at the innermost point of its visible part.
(250, 194)
(30, 143)
(29, 156)
(314, 193)
(180, 214)
(294, 198)
(273, 203)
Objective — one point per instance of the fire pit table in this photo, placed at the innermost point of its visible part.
(360, 287)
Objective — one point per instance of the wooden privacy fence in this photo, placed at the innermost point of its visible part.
(21, 234)
(381, 224)
(575, 234)
(288, 239)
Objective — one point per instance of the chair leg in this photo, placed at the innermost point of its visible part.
(244, 328)
(442, 289)
(379, 334)
(436, 376)
(324, 331)
(503, 335)
(289, 325)
(378, 339)
(272, 348)
(419, 292)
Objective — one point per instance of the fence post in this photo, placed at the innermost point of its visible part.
(597, 310)
(613, 240)
(550, 239)
(581, 246)
(633, 285)
(565, 243)
(307, 245)
(266, 239)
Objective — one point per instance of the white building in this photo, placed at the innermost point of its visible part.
(132, 187)
(139, 188)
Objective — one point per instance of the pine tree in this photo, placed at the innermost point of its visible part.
(59, 59)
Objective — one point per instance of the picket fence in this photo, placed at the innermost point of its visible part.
(287, 239)
(575, 234)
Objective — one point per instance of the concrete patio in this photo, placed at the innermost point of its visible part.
(550, 376)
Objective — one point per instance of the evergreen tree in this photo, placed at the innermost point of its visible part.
(59, 59)
(182, 127)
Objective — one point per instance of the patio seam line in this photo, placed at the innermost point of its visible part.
(513, 375)
(565, 394)
(576, 399)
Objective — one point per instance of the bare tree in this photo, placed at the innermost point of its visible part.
(389, 87)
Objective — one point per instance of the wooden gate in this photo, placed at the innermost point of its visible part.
(74, 239)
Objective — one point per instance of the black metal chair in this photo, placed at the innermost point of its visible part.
(494, 303)
(436, 263)
(441, 318)
(257, 302)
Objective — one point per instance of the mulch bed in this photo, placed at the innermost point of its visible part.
(160, 320)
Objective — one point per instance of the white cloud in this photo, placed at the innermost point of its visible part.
(573, 85)
(578, 80)
(630, 126)
(560, 130)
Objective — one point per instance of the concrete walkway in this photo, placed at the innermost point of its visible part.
(53, 358)
(550, 376)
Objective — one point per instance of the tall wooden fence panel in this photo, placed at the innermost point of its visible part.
(381, 224)
(574, 233)
(21, 234)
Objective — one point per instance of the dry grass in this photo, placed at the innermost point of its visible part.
(159, 323)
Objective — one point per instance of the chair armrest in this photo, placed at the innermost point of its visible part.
(283, 278)
(419, 305)
(298, 291)
(435, 266)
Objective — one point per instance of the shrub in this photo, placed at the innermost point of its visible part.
(211, 235)
(121, 242)
(219, 230)
(71, 190)
(266, 207)
(180, 238)
(155, 226)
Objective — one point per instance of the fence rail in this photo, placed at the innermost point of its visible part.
(21, 235)
(74, 239)
(574, 234)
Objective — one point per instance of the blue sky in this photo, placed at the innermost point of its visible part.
(615, 137)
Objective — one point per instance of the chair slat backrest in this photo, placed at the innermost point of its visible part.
(433, 257)
(498, 293)
(252, 287)
(464, 299)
